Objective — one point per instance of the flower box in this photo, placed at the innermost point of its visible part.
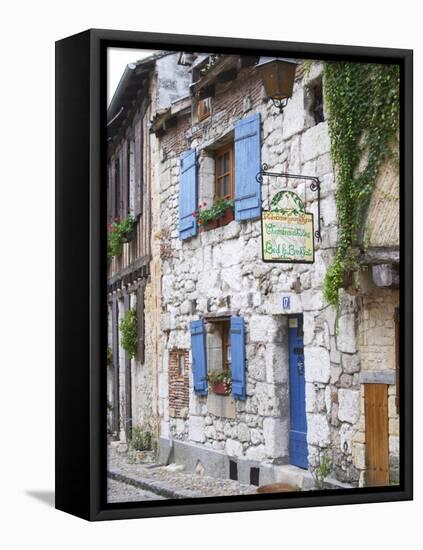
(211, 225)
(221, 388)
(227, 217)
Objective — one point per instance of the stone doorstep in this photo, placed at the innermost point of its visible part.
(158, 487)
(293, 475)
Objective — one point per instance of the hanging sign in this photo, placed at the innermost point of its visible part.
(287, 230)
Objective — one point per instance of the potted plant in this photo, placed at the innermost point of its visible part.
(120, 232)
(128, 228)
(227, 217)
(220, 382)
(220, 213)
(128, 332)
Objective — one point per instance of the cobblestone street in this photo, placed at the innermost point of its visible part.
(129, 481)
(122, 492)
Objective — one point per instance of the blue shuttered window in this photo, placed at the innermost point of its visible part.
(238, 357)
(188, 194)
(247, 166)
(199, 363)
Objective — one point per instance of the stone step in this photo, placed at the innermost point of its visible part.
(297, 477)
(292, 475)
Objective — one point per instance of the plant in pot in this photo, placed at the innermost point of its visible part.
(109, 356)
(128, 332)
(220, 382)
(209, 218)
(120, 232)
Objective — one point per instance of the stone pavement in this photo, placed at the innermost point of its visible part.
(118, 491)
(129, 481)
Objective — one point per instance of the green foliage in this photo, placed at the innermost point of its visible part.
(307, 63)
(128, 331)
(362, 101)
(119, 232)
(140, 439)
(207, 215)
(323, 468)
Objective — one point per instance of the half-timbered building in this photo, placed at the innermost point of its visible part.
(133, 266)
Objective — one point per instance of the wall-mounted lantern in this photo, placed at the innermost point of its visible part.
(278, 76)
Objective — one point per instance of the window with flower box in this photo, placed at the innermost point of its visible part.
(233, 192)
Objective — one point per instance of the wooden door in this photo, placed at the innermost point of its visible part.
(377, 452)
(298, 429)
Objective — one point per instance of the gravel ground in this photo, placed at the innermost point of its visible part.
(173, 478)
(122, 492)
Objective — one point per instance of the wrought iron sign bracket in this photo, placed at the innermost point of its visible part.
(314, 186)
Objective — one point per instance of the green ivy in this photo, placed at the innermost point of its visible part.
(362, 102)
(128, 331)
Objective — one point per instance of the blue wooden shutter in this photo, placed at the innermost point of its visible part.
(247, 166)
(238, 357)
(198, 349)
(188, 194)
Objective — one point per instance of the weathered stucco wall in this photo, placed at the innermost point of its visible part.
(382, 226)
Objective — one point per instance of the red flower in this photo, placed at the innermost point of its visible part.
(200, 222)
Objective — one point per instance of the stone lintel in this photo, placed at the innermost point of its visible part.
(223, 314)
(377, 377)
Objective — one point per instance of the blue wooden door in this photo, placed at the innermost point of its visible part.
(298, 429)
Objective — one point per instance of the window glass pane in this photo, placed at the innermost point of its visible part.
(227, 184)
(219, 166)
(227, 162)
(220, 187)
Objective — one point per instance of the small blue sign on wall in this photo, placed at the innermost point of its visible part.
(286, 302)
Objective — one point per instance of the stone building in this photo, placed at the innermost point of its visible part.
(299, 368)
(134, 273)
(189, 131)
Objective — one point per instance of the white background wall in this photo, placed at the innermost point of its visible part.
(29, 30)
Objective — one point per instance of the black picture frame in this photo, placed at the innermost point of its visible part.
(81, 275)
